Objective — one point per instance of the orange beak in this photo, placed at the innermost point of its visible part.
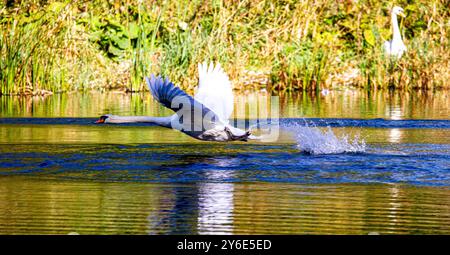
(100, 121)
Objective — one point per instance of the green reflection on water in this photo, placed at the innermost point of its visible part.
(30, 205)
(338, 104)
(110, 134)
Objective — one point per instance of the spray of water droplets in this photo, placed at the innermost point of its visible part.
(312, 140)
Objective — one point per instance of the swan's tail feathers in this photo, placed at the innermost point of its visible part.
(234, 137)
(254, 137)
(243, 137)
(165, 91)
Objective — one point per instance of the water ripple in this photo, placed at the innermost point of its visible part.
(320, 122)
(419, 164)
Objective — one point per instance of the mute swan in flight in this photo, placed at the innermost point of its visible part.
(204, 116)
(395, 47)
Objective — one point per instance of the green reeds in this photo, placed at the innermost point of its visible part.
(28, 54)
(296, 45)
(301, 66)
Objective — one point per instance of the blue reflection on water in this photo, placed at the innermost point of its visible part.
(320, 122)
(422, 164)
(386, 162)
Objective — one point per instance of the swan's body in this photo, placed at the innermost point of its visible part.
(395, 47)
(204, 116)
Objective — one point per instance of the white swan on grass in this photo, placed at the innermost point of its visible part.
(395, 47)
(204, 116)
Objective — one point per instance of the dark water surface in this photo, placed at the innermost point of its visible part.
(60, 173)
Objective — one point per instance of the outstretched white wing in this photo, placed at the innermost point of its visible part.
(191, 115)
(214, 90)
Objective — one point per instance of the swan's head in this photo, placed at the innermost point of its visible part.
(397, 10)
(103, 119)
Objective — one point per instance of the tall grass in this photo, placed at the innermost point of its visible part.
(24, 60)
(294, 45)
(44, 51)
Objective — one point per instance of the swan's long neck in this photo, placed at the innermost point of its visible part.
(395, 29)
(161, 121)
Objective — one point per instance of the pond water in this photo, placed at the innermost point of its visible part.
(348, 162)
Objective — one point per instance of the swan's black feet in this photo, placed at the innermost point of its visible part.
(233, 137)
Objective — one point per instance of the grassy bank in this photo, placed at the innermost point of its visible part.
(282, 45)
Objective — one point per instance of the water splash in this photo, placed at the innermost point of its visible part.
(312, 140)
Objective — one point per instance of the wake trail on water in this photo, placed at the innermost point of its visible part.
(316, 141)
